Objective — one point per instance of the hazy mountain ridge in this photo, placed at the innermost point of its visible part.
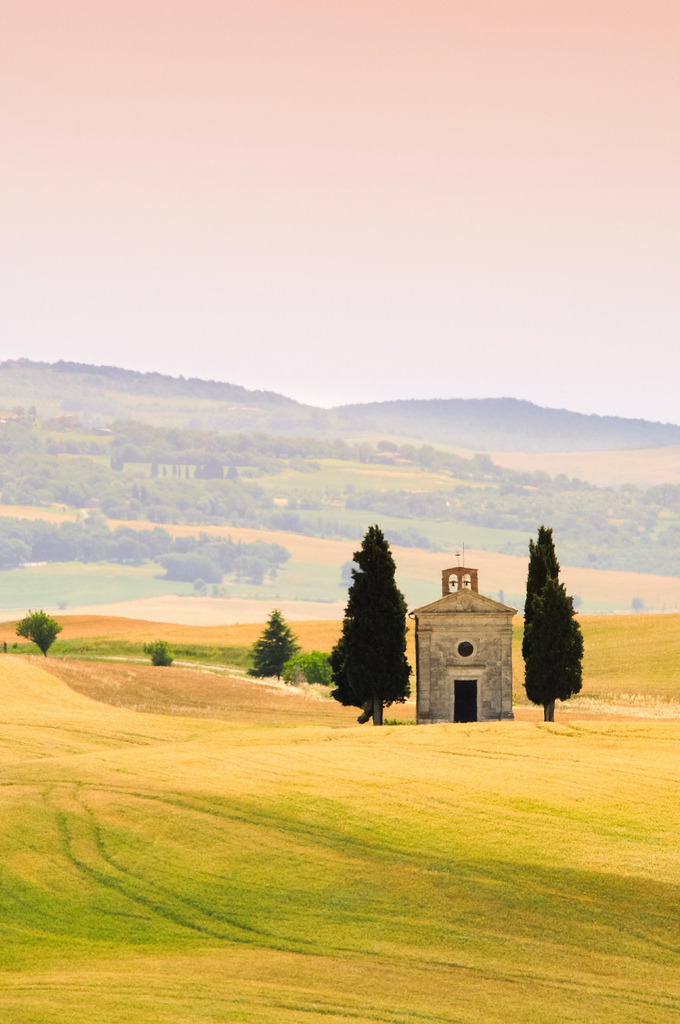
(99, 394)
(511, 424)
(163, 384)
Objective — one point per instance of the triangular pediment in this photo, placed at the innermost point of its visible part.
(465, 601)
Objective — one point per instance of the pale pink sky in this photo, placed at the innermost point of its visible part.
(349, 201)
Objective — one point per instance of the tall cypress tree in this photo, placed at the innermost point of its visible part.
(553, 666)
(369, 665)
(543, 565)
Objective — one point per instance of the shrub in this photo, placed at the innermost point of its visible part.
(308, 668)
(159, 652)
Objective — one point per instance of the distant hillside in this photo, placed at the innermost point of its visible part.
(506, 424)
(101, 394)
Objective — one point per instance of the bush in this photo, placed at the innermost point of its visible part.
(308, 668)
(159, 652)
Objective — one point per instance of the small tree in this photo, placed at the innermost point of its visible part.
(40, 628)
(273, 648)
(370, 670)
(159, 652)
(553, 666)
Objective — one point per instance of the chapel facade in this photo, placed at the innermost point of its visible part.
(463, 653)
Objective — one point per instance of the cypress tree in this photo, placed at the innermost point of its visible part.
(275, 645)
(369, 665)
(543, 565)
(553, 665)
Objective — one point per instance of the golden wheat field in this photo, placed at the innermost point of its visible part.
(319, 634)
(186, 870)
(207, 694)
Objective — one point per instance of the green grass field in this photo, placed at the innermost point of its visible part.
(74, 583)
(78, 583)
(185, 871)
(101, 648)
(334, 476)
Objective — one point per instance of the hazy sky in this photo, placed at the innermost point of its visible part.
(347, 200)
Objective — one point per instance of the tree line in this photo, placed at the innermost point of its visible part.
(183, 558)
(206, 481)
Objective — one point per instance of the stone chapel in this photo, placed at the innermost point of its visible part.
(463, 653)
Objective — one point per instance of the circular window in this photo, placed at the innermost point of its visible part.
(465, 649)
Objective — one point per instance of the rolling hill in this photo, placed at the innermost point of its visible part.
(98, 394)
(183, 870)
(614, 673)
(506, 424)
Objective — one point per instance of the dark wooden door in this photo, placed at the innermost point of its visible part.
(465, 700)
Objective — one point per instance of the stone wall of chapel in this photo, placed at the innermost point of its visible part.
(440, 664)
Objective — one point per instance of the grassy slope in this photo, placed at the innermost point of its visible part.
(192, 692)
(624, 654)
(633, 654)
(178, 870)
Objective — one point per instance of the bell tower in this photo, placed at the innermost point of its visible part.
(459, 578)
